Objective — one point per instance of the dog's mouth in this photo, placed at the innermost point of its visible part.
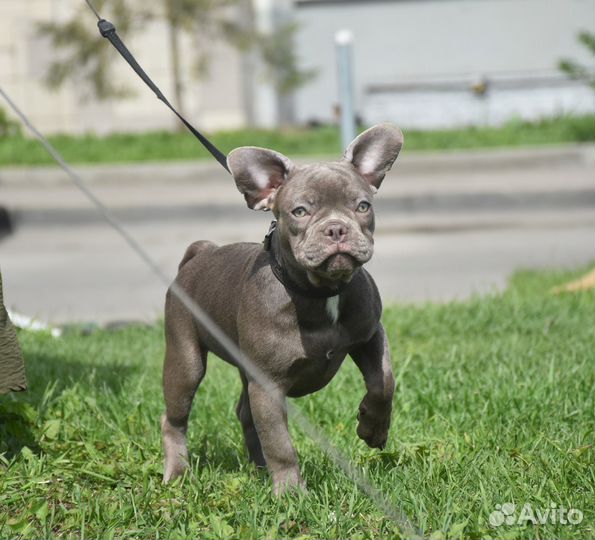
(338, 267)
(339, 262)
(333, 263)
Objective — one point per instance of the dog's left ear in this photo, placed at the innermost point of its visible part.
(374, 152)
(258, 172)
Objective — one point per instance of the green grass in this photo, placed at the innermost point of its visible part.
(18, 150)
(494, 404)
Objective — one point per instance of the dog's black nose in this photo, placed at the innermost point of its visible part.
(336, 231)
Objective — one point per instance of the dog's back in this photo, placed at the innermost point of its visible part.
(214, 277)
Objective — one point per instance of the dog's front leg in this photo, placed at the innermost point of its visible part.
(373, 360)
(270, 419)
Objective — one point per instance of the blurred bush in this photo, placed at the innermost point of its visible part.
(577, 71)
(8, 127)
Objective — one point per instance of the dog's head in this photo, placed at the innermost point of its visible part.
(324, 211)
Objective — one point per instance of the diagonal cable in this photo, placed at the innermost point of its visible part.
(355, 474)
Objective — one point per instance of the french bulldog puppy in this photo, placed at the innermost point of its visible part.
(296, 306)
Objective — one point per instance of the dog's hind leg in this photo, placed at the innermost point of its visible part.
(244, 415)
(183, 370)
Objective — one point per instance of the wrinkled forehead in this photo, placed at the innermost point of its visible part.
(325, 181)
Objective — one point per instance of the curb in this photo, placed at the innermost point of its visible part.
(207, 171)
(439, 204)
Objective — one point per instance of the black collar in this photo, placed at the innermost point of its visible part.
(281, 274)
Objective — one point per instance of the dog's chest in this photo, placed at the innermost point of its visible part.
(315, 365)
(332, 309)
(322, 348)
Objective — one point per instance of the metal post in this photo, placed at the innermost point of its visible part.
(344, 41)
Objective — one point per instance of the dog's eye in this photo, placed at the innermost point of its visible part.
(363, 207)
(300, 211)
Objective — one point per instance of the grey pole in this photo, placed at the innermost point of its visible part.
(344, 41)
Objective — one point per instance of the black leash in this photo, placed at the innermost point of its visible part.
(108, 31)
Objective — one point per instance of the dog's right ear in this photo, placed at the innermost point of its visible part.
(258, 173)
(374, 151)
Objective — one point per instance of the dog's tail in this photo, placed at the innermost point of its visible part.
(194, 249)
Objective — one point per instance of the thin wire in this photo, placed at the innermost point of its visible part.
(341, 460)
(93, 9)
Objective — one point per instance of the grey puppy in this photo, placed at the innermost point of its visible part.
(296, 307)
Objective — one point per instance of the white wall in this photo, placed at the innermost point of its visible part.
(398, 42)
(406, 45)
(426, 107)
(213, 103)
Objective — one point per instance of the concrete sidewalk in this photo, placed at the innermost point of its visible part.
(448, 225)
(439, 186)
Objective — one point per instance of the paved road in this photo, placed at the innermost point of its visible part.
(448, 227)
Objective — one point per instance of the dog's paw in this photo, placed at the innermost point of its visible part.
(174, 470)
(287, 481)
(373, 428)
(175, 461)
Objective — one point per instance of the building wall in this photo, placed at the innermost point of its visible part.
(415, 61)
(213, 103)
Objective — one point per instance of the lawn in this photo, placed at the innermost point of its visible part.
(18, 150)
(494, 405)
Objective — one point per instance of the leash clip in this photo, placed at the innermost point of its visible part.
(105, 27)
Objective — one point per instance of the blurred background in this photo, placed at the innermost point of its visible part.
(496, 99)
